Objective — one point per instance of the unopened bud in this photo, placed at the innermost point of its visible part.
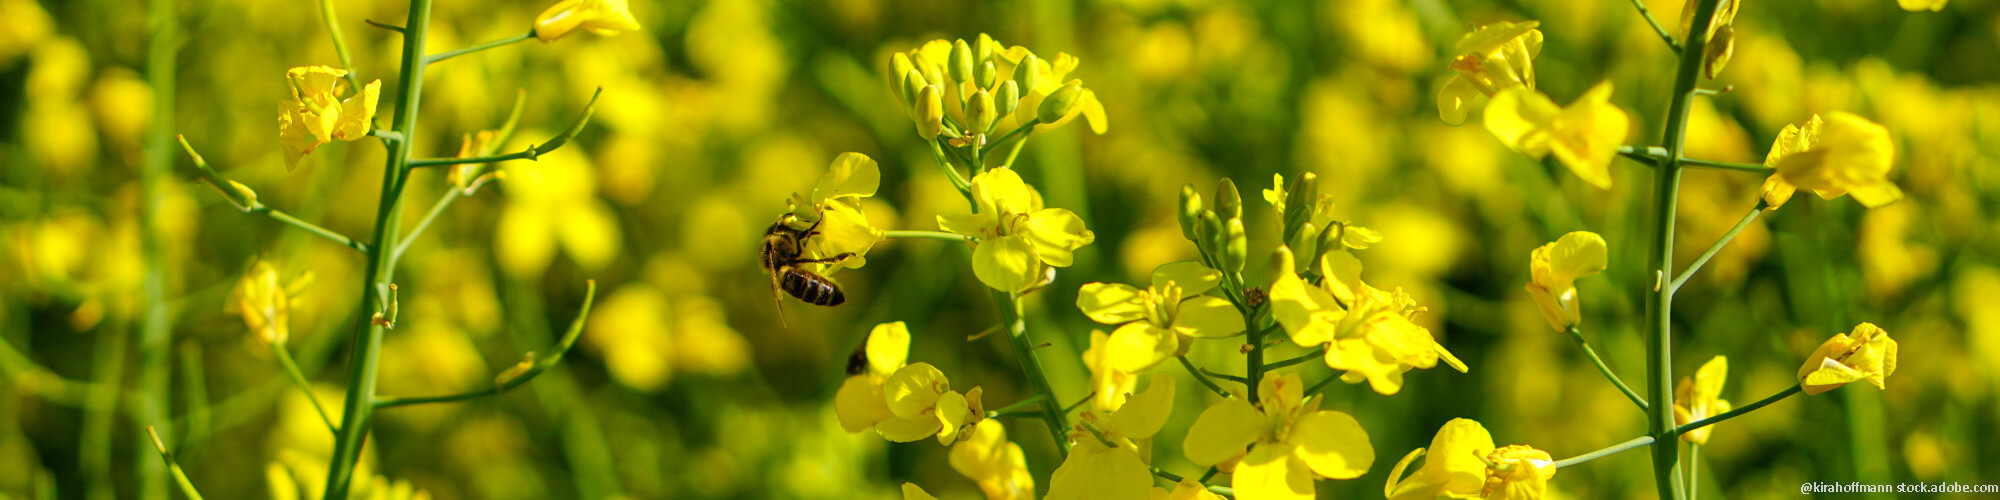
(913, 82)
(1211, 232)
(930, 112)
(899, 67)
(1716, 56)
(1024, 74)
(1236, 246)
(1190, 214)
(1228, 202)
(985, 74)
(1059, 103)
(961, 61)
(1299, 203)
(979, 110)
(1008, 98)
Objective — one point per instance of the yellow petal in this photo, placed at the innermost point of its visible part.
(914, 389)
(844, 229)
(908, 429)
(1096, 472)
(1007, 264)
(953, 412)
(1142, 416)
(913, 492)
(1586, 135)
(1207, 316)
(888, 348)
(1333, 444)
(851, 174)
(1222, 431)
(1455, 457)
(600, 17)
(357, 114)
(1140, 345)
(859, 404)
(999, 192)
(1921, 5)
(974, 225)
(1056, 233)
(1193, 277)
(1457, 99)
(1521, 119)
(1272, 471)
(1306, 311)
(1575, 255)
(1110, 303)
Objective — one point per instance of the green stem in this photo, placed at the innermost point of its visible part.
(1660, 298)
(972, 165)
(533, 151)
(1294, 361)
(1717, 247)
(535, 365)
(911, 233)
(95, 447)
(1781, 395)
(1694, 469)
(1225, 376)
(332, 21)
(443, 202)
(1577, 335)
(155, 323)
(367, 340)
(1010, 135)
(1655, 155)
(436, 58)
(167, 458)
(299, 379)
(1079, 403)
(1032, 401)
(1199, 377)
(315, 229)
(1038, 380)
(1612, 450)
(1321, 384)
(950, 172)
(1662, 31)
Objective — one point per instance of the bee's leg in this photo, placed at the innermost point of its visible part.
(813, 229)
(823, 260)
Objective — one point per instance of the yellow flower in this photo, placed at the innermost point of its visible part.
(316, 116)
(1921, 5)
(913, 492)
(1110, 384)
(264, 303)
(1158, 323)
(1868, 354)
(1368, 332)
(835, 203)
(600, 17)
(1701, 397)
(1584, 136)
(1841, 155)
(1282, 444)
(1187, 489)
(1464, 464)
(1518, 472)
(1491, 59)
(1035, 81)
(1018, 238)
(1107, 463)
(988, 458)
(904, 403)
(1555, 268)
(552, 204)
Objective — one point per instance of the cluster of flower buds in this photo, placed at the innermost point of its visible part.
(981, 92)
(1217, 232)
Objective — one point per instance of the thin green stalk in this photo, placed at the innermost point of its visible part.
(1655, 155)
(1199, 377)
(1608, 451)
(912, 233)
(950, 172)
(1780, 396)
(1577, 335)
(1176, 478)
(1717, 247)
(1032, 401)
(436, 58)
(1253, 361)
(1079, 402)
(367, 340)
(1321, 384)
(1660, 299)
(1225, 376)
(332, 21)
(1694, 469)
(155, 324)
(315, 229)
(1662, 31)
(1038, 380)
(533, 366)
(194, 383)
(1294, 361)
(167, 460)
(1726, 165)
(299, 379)
(95, 447)
(1003, 139)
(450, 195)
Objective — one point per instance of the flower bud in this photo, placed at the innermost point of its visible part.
(1716, 55)
(1190, 211)
(1236, 246)
(899, 65)
(979, 111)
(930, 112)
(985, 75)
(961, 61)
(1024, 74)
(1329, 238)
(1059, 103)
(912, 82)
(1299, 203)
(1228, 202)
(1009, 97)
(1211, 232)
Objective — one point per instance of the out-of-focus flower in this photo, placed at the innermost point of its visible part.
(1108, 462)
(913, 492)
(599, 17)
(1868, 354)
(986, 457)
(466, 177)
(1111, 385)
(1464, 464)
(1157, 322)
(1556, 266)
(23, 23)
(1367, 332)
(901, 402)
(1018, 238)
(1701, 397)
(835, 204)
(264, 303)
(1584, 136)
(1491, 59)
(646, 337)
(1922, 5)
(1279, 446)
(318, 116)
(552, 203)
(1841, 155)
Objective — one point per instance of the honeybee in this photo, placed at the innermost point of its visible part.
(784, 252)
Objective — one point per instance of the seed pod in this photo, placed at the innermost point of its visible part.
(930, 112)
(961, 61)
(1059, 103)
(1228, 202)
(1190, 211)
(1008, 97)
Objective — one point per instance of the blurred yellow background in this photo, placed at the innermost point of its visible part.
(686, 385)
